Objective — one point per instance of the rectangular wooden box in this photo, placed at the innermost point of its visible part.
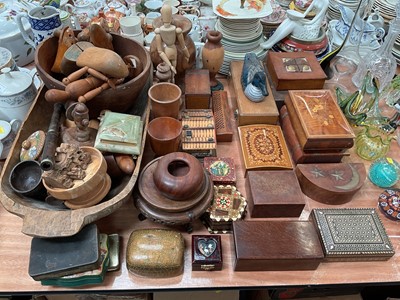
(274, 194)
(221, 169)
(197, 89)
(318, 121)
(276, 246)
(298, 155)
(352, 234)
(206, 253)
(295, 70)
(264, 112)
(223, 116)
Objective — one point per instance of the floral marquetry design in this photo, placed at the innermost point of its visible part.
(263, 146)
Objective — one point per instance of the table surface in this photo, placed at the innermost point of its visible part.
(15, 249)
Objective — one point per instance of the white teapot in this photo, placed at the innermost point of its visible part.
(83, 10)
(117, 6)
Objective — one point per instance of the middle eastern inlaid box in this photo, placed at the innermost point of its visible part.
(274, 194)
(352, 234)
(318, 121)
(276, 246)
(227, 207)
(221, 169)
(264, 147)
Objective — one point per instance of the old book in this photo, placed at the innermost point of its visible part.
(298, 155)
(276, 246)
(264, 147)
(318, 121)
(352, 234)
(331, 183)
(197, 89)
(295, 70)
(264, 112)
(274, 194)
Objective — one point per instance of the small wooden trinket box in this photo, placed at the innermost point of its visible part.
(206, 253)
(222, 169)
(274, 194)
(295, 70)
(249, 112)
(197, 89)
(228, 206)
(198, 132)
(352, 234)
(318, 121)
(223, 116)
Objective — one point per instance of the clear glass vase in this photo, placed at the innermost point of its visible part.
(381, 63)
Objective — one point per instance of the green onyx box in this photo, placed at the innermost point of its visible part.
(119, 133)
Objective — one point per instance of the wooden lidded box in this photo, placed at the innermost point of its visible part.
(206, 253)
(274, 194)
(295, 70)
(318, 121)
(197, 89)
(221, 169)
(249, 112)
(352, 234)
(276, 246)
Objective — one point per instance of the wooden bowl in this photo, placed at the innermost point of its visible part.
(120, 99)
(95, 173)
(165, 135)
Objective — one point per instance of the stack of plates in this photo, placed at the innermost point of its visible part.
(271, 23)
(386, 9)
(240, 36)
(396, 50)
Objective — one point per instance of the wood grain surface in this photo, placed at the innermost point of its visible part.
(15, 249)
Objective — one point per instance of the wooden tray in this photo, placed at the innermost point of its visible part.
(41, 219)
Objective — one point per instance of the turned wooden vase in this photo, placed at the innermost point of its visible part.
(182, 65)
(213, 54)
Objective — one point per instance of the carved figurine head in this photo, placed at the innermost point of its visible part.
(166, 14)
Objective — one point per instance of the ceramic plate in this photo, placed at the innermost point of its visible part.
(230, 9)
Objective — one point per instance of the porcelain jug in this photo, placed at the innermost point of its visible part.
(17, 92)
(44, 21)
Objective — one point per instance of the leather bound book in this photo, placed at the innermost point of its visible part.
(318, 121)
(352, 234)
(276, 246)
(295, 70)
(298, 155)
(274, 194)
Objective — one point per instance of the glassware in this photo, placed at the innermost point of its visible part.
(384, 172)
(391, 94)
(373, 142)
(381, 63)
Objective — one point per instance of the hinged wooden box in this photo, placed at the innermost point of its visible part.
(228, 206)
(295, 70)
(264, 112)
(222, 169)
(198, 132)
(197, 89)
(206, 253)
(276, 246)
(274, 194)
(318, 121)
(352, 234)
(223, 116)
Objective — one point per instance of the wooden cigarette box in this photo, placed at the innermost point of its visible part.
(221, 169)
(276, 246)
(264, 147)
(295, 70)
(318, 121)
(248, 112)
(297, 153)
(352, 234)
(206, 253)
(227, 207)
(198, 134)
(331, 183)
(274, 194)
(197, 89)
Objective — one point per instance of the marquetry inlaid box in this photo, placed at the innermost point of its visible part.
(352, 234)
(274, 194)
(295, 70)
(276, 246)
(221, 169)
(198, 132)
(248, 112)
(318, 121)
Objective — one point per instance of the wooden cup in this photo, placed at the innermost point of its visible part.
(165, 135)
(165, 99)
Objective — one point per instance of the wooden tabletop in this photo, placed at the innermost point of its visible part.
(15, 249)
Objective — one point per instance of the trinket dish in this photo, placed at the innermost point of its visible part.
(389, 204)
(206, 253)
